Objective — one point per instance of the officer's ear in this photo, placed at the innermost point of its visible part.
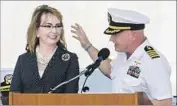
(131, 35)
(137, 34)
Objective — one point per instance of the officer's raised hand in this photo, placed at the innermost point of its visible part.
(80, 35)
(92, 51)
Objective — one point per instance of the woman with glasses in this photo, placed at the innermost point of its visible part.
(47, 62)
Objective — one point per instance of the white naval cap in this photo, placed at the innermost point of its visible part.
(125, 20)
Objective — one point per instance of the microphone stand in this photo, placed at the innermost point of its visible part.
(91, 68)
(66, 82)
(87, 74)
(83, 87)
(88, 71)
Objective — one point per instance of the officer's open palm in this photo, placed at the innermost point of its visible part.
(79, 34)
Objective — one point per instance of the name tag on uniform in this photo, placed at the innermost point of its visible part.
(134, 71)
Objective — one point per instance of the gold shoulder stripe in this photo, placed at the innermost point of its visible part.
(151, 52)
(8, 89)
(4, 87)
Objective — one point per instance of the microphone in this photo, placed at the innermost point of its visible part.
(102, 55)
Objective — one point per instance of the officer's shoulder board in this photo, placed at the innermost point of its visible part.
(151, 52)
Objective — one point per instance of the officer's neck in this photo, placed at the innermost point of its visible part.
(134, 46)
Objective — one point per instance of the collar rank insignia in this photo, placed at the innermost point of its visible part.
(134, 71)
(151, 52)
(137, 63)
(65, 57)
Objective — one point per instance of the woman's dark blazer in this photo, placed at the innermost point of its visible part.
(61, 67)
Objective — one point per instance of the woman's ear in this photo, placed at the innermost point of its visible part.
(37, 34)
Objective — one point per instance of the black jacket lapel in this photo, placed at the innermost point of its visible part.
(32, 65)
(56, 63)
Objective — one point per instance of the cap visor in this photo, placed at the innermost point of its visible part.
(110, 31)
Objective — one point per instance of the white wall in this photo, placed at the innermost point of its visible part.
(92, 15)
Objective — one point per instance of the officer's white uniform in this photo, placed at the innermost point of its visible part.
(146, 70)
(154, 75)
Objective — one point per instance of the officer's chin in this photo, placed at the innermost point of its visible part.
(119, 50)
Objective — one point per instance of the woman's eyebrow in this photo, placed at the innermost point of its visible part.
(58, 24)
(47, 23)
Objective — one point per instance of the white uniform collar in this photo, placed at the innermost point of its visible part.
(139, 51)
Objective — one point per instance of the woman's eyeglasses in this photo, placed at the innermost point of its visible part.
(51, 26)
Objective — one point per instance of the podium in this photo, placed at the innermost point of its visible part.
(138, 98)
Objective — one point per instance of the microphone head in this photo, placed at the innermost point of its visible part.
(104, 53)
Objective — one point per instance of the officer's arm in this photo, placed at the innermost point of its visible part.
(158, 81)
(105, 66)
(162, 102)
